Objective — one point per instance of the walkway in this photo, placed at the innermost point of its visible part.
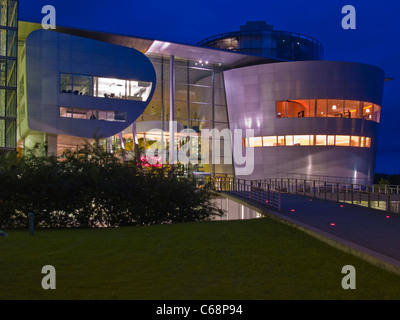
(370, 234)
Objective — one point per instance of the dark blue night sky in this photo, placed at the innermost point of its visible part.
(376, 39)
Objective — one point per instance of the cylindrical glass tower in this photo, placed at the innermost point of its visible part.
(259, 38)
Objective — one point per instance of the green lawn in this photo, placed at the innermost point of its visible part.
(254, 259)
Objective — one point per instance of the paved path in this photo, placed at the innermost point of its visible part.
(370, 232)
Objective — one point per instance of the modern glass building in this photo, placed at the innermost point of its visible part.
(297, 114)
(259, 38)
(8, 75)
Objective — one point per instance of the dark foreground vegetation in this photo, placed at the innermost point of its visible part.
(93, 188)
(387, 179)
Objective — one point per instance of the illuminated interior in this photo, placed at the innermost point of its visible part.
(104, 87)
(308, 140)
(334, 108)
(90, 114)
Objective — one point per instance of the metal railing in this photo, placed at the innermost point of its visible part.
(260, 192)
(387, 199)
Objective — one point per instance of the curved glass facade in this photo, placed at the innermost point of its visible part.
(308, 140)
(267, 43)
(8, 74)
(335, 108)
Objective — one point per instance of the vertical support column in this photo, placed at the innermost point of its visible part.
(172, 158)
(135, 140)
(122, 144)
(162, 126)
(213, 119)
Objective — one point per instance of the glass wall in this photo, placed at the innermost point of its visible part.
(335, 108)
(268, 43)
(308, 140)
(92, 114)
(8, 73)
(199, 104)
(101, 87)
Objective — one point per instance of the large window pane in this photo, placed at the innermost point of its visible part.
(65, 83)
(367, 111)
(280, 109)
(65, 112)
(368, 142)
(335, 108)
(321, 109)
(110, 88)
(320, 140)
(289, 140)
(303, 140)
(289, 109)
(331, 140)
(79, 113)
(255, 142)
(352, 109)
(138, 90)
(83, 85)
(269, 141)
(281, 140)
(301, 108)
(355, 141)
(343, 141)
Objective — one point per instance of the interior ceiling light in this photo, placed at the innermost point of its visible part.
(334, 107)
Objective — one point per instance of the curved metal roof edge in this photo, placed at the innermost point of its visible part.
(146, 45)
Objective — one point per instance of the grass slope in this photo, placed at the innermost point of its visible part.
(253, 259)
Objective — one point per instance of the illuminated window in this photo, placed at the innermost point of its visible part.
(320, 140)
(377, 113)
(89, 114)
(355, 141)
(110, 88)
(138, 90)
(352, 109)
(367, 111)
(343, 141)
(289, 140)
(79, 113)
(289, 109)
(255, 142)
(82, 85)
(281, 140)
(303, 140)
(65, 112)
(362, 142)
(65, 83)
(269, 141)
(368, 142)
(301, 108)
(101, 87)
(335, 108)
(331, 140)
(280, 109)
(328, 108)
(321, 109)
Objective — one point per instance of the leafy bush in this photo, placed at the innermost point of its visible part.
(93, 188)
